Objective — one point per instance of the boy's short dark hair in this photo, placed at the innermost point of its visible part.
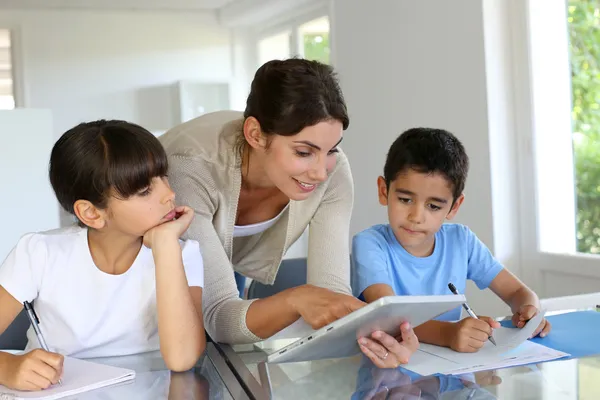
(95, 160)
(428, 150)
(287, 96)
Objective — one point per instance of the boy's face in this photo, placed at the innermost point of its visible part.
(418, 203)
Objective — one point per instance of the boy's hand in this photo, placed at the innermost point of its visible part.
(35, 370)
(470, 334)
(174, 229)
(525, 313)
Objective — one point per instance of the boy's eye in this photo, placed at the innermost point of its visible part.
(404, 200)
(434, 207)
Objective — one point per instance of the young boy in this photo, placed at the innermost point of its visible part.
(417, 254)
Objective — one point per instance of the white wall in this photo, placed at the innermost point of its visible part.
(423, 63)
(85, 65)
(115, 64)
(27, 202)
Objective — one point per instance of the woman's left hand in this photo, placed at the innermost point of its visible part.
(385, 351)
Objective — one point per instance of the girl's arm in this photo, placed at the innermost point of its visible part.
(179, 306)
(35, 370)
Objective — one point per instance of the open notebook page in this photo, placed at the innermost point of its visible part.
(78, 376)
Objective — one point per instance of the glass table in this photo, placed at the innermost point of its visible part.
(357, 378)
(211, 378)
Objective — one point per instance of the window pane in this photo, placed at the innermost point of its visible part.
(584, 42)
(7, 101)
(276, 47)
(314, 37)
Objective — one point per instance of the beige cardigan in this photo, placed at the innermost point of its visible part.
(204, 171)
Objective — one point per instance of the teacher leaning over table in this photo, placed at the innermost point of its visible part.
(256, 181)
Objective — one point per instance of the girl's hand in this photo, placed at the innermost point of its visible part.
(171, 229)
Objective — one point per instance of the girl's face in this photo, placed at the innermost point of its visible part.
(297, 164)
(141, 212)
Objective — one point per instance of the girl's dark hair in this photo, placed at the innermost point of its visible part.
(95, 160)
(287, 96)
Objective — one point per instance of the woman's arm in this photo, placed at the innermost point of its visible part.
(228, 318)
(329, 233)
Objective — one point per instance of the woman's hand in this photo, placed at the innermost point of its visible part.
(320, 307)
(386, 351)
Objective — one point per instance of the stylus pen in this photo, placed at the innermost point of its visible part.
(469, 311)
(35, 323)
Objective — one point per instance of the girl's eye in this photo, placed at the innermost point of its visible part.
(302, 153)
(145, 192)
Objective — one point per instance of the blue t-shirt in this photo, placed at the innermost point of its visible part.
(458, 255)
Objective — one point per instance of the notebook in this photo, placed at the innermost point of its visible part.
(78, 376)
(512, 349)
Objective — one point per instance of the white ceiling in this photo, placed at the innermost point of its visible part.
(117, 4)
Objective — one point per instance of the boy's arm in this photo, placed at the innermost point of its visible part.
(523, 301)
(512, 291)
(377, 291)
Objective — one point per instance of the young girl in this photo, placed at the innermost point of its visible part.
(121, 282)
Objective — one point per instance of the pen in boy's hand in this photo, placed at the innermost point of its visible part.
(468, 309)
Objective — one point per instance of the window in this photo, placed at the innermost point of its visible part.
(314, 40)
(308, 40)
(556, 123)
(583, 18)
(7, 100)
(275, 47)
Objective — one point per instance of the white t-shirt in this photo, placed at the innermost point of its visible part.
(83, 311)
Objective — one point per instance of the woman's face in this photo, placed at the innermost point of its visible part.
(298, 164)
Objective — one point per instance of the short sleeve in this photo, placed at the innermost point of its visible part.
(192, 263)
(22, 272)
(370, 265)
(482, 266)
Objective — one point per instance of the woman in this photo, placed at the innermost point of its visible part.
(256, 181)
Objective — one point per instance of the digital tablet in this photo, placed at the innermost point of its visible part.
(339, 339)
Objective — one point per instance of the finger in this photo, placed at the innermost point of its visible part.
(546, 329)
(409, 338)
(496, 380)
(477, 334)
(39, 381)
(490, 321)
(354, 304)
(474, 345)
(401, 351)
(481, 327)
(375, 347)
(527, 312)
(48, 372)
(516, 319)
(372, 356)
(54, 360)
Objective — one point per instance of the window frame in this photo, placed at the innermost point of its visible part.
(549, 266)
(293, 26)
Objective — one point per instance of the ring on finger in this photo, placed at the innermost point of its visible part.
(387, 353)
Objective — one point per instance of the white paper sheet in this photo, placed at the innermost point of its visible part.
(78, 376)
(512, 349)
